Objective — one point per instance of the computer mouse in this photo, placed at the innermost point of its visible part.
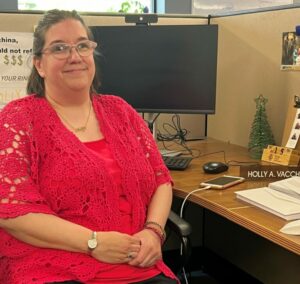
(214, 167)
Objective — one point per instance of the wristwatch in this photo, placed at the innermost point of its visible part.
(92, 243)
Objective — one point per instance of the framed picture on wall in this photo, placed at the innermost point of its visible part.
(290, 52)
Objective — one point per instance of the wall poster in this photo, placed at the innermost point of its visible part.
(290, 51)
(15, 65)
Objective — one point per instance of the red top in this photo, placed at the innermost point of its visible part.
(45, 168)
(119, 273)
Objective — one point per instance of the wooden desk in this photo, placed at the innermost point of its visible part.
(224, 202)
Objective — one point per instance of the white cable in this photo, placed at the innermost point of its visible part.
(181, 213)
(186, 198)
(184, 275)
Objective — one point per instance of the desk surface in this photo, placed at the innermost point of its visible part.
(224, 202)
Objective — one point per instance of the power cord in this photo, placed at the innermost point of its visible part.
(210, 153)
(181, 216)
(188, 195)
(242, 163)
(175, 131)
(176, 134)
(232, 162)
(194, 153)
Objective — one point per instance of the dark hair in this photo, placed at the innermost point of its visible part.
(35, 83)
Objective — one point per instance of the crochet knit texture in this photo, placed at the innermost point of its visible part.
(44, 168)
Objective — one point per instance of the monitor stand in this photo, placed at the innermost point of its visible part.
(151, 123)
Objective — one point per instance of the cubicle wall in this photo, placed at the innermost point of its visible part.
(249, 57)
(18, 22)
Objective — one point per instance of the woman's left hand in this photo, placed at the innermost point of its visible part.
(150, 251)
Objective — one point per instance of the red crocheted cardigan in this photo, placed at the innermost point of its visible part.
(45, 168)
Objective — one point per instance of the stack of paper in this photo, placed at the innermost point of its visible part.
(274, 201)
(290, 186)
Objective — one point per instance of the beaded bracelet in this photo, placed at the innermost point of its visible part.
(158, 225)
(157, 232)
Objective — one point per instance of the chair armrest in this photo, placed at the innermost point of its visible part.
(182, 229)
(179, 225)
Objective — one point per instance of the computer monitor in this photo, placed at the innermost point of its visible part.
(159, 68)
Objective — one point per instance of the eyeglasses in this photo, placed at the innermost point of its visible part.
(63, 50)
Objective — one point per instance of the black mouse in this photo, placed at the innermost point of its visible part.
(215, 167)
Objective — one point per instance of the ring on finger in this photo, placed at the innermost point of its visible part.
(130, 256)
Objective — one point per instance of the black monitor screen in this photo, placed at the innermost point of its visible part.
(166, 69)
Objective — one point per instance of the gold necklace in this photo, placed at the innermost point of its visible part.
(75, 129)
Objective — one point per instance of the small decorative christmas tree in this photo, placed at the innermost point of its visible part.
(261, 134)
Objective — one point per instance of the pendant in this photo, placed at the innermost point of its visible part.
(80, 129)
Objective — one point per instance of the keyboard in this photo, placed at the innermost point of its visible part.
(177, 163)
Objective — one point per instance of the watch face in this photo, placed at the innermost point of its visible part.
(92, 244)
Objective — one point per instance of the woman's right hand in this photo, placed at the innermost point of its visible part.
(114, 247)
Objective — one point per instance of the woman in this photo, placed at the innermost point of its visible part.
(84, 194)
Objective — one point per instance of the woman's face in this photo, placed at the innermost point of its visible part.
(75, 73)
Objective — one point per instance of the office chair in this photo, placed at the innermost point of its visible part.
(182, 230)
